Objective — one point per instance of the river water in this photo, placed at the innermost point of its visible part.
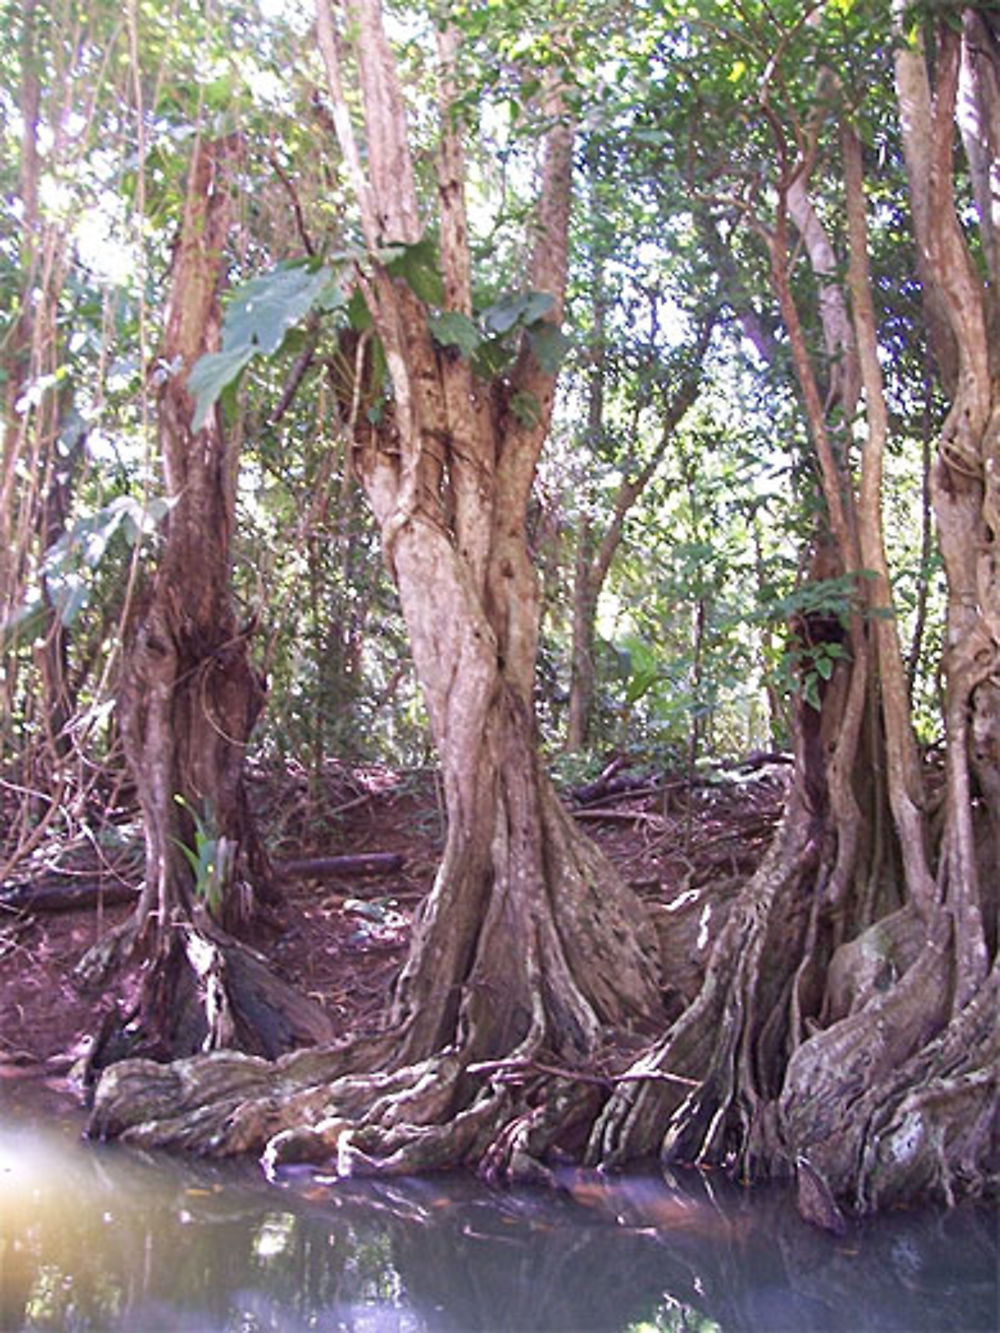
(97, 1237)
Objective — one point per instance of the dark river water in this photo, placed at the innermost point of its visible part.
(99, 1237)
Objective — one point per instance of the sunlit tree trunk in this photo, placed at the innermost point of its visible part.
(528, 938)
(965, 477)
(37, 467)
(529, 946)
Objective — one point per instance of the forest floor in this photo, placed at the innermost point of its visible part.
(342, 939)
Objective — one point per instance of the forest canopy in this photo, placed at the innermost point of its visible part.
(514, 389)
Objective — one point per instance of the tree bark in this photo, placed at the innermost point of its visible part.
(964, 478)
(189, 698)
(530, 954)
(891, 1091)
(529, 942)
(508, 952)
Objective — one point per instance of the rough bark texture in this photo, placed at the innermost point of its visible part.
(529, 942)
(855, 1048)
(189, 698)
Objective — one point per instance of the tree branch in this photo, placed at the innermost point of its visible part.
(329, 45)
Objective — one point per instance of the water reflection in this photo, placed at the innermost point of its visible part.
(100, 1238)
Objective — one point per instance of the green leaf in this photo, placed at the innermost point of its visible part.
(517, 308)
(28, 624)
(332, 296)
(536, 306)
(491, 357)
(140, 520)
(213, 373)
(358, 315)
(419, 267)
(548, 345)
(810, 691)
(72, 599)
(453, 329)
(260, 312)
(824, 666)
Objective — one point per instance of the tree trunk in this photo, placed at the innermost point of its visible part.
(189, 695)
(514, 949)
(845, 1030)
(583, 671)
(36, 477)
(890, 1091)
(899, 1097)
(529, 942)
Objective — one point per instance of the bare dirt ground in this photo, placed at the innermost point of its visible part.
(342, 940)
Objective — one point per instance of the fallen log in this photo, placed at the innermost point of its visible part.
(626, 816)
(329, 867)
(46, 895)
(65, 896)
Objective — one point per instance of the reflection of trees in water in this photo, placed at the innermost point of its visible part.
(147, 1243)
(929, 1270)
(90, 1239)
(517, 1261)
(742, 1261)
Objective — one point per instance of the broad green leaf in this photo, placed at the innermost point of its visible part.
(358, 315)
(141, 520)
(212, 373)
(332, 296)
(640, 666)
(72, 599)
(503, 315)
(419, 267)
(536, 306)
(260, 312)
(517, 308)
(548, 345)
(491, 357)
(453, 329)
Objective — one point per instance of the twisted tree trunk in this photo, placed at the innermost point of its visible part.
(885, 1088)
(529, 943)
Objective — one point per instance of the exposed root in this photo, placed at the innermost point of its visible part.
(313, 1106)
(203, 991)
(711, 1044)
(935, 1127)
(872, 962)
